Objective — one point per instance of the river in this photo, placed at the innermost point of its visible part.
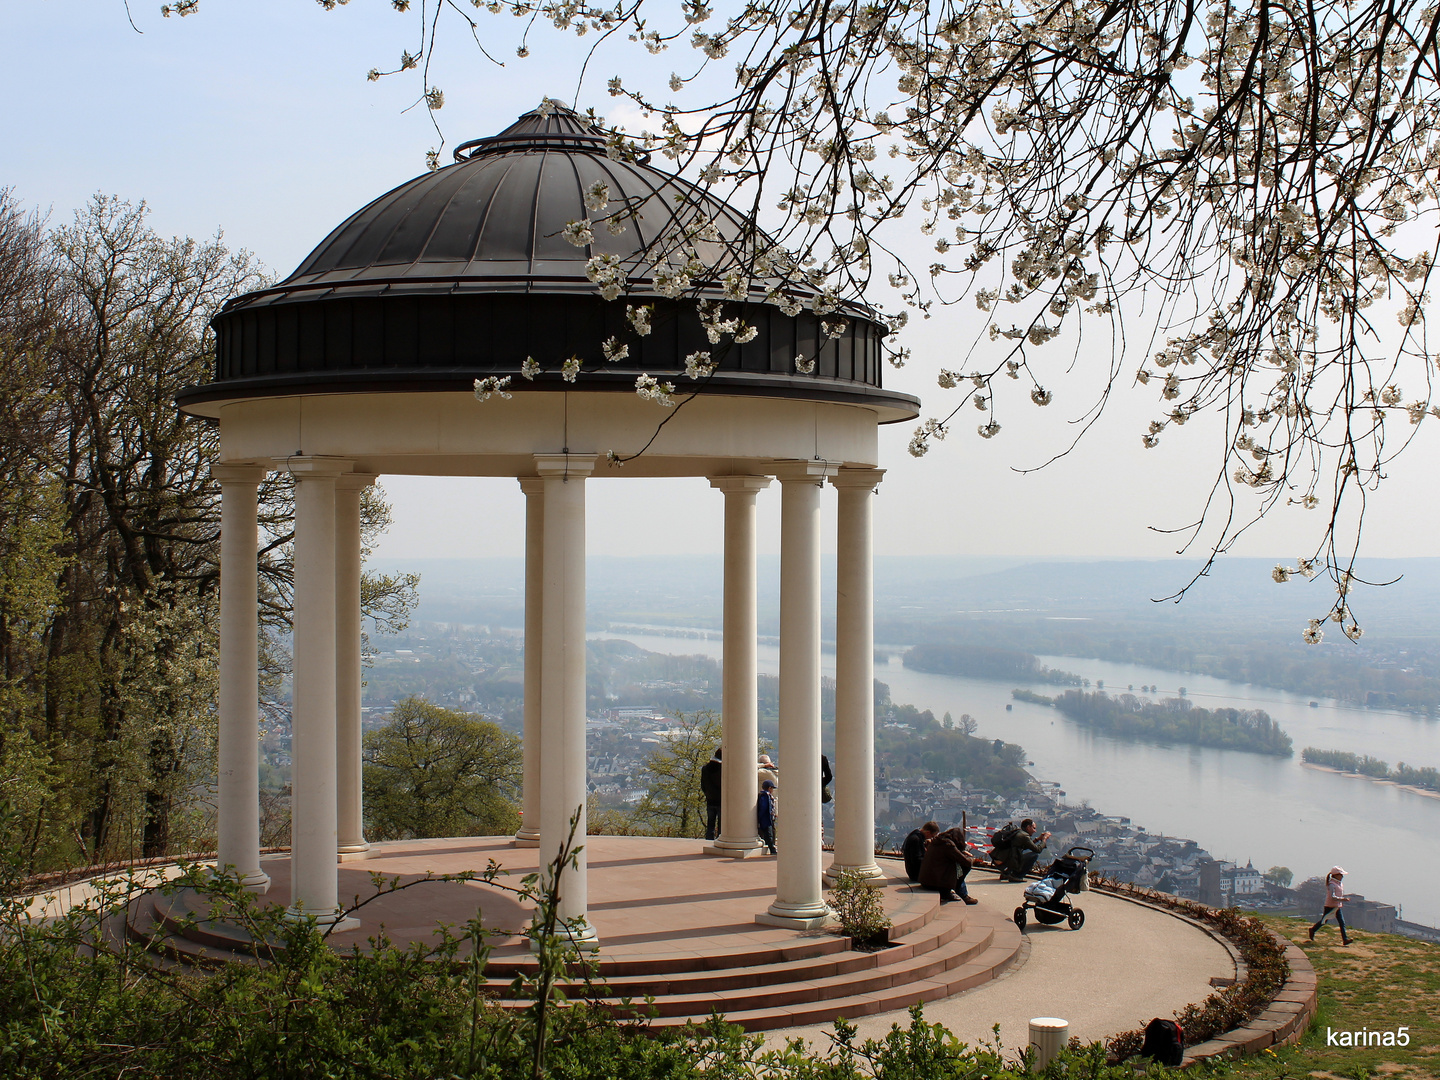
(1240, 806)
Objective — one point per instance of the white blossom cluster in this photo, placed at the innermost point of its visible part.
(699, 365)
(651, 389)
(608, 273)
(717, 327)
(639, 317)
(488, 387)
(1339, 612)
(615, 350)
(578, 233)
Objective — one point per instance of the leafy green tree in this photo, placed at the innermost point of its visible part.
(432, 771)
(109, 535)
(673, 804)
(109, 321)
(32, 526)
(1279, 876)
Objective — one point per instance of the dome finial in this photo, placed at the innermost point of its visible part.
(552, 123)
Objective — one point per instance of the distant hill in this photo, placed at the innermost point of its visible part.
(1237, 597)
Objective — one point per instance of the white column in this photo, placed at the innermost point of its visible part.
(562, 690)
(528, 835)
(740, 733)
(799, 901)
(314, 882)
(855, 675)
(239, 751)
(349, 789)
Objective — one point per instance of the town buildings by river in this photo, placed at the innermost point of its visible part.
(1245, 808)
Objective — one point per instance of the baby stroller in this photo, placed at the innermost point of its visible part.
(1047, 896)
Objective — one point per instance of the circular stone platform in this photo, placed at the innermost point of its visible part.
(678, 925)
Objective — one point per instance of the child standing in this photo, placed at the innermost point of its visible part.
(765, 815)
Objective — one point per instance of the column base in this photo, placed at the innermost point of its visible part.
(526, 837)
(833, 871)
(328, 920)
(353, 852)
(256, 881)
(582, 937)
(788, 923)
(795, 916)
(734, 849)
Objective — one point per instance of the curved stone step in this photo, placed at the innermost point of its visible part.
(966, 976)
(865, 983)
(145, 923)
(972, 951)
(910, 911)
(833, 965)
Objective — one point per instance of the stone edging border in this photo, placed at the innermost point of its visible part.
(1283, 1022)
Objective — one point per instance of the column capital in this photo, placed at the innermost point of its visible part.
(238, 472)
(532, 485)
(317, 467)
(728, 484)
(805, 472)
(355, 481)
(857, 479)
(577, 465)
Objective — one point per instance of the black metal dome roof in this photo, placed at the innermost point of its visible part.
(496, 217)
(465, 271)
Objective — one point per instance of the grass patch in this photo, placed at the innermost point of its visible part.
(1382, 982)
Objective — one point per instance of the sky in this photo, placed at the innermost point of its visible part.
(256, 118)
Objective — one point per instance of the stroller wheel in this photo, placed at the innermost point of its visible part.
(1020, 918)
(1077, 919)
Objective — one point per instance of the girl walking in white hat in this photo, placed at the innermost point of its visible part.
(1334, 901)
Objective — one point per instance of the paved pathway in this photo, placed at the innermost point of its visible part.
(1128, 963)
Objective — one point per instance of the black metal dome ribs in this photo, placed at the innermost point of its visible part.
(464, 272)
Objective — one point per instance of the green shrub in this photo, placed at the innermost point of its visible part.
(857, 902)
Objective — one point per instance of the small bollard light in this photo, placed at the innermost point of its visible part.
(1048, 1035)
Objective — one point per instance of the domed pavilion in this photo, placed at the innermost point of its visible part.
(502, 316)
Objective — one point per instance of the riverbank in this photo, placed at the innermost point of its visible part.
(1424, 793)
